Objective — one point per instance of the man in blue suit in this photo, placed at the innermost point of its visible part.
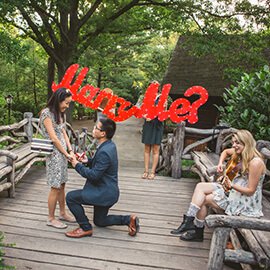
(101, 188)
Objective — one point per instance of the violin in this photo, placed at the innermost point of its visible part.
(232, 168)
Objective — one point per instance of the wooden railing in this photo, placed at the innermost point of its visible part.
(174, 150)
(16, 157)
(80, 140)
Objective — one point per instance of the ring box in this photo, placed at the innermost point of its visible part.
(80, 155)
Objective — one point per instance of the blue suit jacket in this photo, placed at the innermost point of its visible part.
(101, 187)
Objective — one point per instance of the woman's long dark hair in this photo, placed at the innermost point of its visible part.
(53, 104)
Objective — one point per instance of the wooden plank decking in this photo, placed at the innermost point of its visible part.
(159, 204)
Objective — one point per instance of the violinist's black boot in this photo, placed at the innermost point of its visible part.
(186, 225)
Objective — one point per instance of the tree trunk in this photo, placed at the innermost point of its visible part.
(61, 72)
(34, 86)
(16, 82)
(61, 69)
(99, 86)
(51, 73)
(99, 77)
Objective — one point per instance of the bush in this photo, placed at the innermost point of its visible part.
(26, 105)
(18, 108)
(80, 111)
(2, 265)
(248, 104)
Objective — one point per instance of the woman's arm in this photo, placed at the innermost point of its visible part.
(255, 170)
(69, 148)
(49, 127)
(226, 153)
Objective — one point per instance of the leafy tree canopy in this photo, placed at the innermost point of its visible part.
(66, 28)
(237, 35)
(129, 40)
(11, 48)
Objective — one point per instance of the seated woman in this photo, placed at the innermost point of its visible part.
(242, 196)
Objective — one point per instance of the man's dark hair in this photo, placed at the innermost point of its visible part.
(108, 126)
(53, 104)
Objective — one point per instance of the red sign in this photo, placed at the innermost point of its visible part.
(180, 110)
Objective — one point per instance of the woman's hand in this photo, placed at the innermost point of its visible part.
(220, 168)
(227, 184)
(73, 161)
(71, 153)
(146, 118)
(69, 157)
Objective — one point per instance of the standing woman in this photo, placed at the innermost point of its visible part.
(151, 138)
(52, 120)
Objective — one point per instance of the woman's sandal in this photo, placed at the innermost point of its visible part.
(145, 175)
(56, 224)
(151, 176)
(67, 218)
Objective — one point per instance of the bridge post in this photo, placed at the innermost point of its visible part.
(28, 128)
(83, 140)
(178, 146)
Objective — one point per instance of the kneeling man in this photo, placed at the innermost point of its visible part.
(101, 188)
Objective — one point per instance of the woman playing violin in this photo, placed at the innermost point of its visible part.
(240, 193)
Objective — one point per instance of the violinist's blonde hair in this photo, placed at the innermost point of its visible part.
(249, 151)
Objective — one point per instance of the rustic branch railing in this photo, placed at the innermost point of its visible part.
(16, 157)
(223, 227)
(174, 150)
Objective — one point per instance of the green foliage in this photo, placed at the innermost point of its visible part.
(23, 105)
(11, 49)
(2, 244)
(131, 41)
(66, 29)
(238, 43)
(248, 104)
(22, 74)
(80, 111)
(128, 64)
(3, 111)
(40, 163)
(186, 172)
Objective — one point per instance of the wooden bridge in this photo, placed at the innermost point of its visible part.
(159, 205)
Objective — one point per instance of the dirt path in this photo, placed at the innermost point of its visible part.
(127, 138)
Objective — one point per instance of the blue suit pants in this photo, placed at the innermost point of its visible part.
(75, 204)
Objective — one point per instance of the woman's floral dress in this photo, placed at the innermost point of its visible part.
(56, 163)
